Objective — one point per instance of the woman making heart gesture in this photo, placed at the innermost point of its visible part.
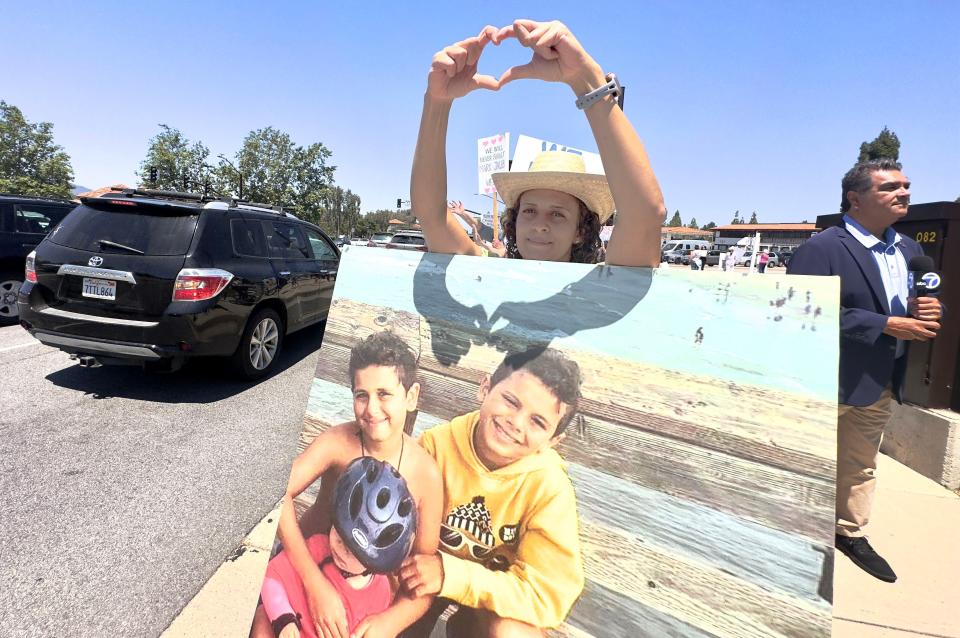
(555, 209)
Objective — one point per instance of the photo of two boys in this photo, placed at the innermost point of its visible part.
(465, 476)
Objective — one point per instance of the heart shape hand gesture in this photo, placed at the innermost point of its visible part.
(557, 57)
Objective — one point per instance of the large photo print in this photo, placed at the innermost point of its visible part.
(594, 451)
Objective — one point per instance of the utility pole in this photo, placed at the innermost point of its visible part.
(237, 171)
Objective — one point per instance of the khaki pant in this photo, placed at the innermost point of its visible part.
(859, 433)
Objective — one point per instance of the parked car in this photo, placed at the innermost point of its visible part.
(785, 257)
(678, 251)
(24, 222)
(408, 240)
(714, 257)
(151, 278)
(745, 260)
(380, 240)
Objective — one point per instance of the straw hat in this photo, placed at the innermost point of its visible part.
(559, 171)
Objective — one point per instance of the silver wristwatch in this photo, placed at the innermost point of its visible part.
(612, 87)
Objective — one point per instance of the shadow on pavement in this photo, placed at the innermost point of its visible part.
(201, 380)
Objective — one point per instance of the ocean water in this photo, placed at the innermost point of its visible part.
(776, 332)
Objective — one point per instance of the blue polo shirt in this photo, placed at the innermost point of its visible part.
(891, 264)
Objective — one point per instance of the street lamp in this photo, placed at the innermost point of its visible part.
(221, 157)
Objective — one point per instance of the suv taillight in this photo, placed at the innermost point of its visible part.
(30, 271)
(197, 284)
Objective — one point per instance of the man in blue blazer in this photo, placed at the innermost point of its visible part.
(877, 320)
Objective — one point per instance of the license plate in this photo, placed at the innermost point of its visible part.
(99, 288)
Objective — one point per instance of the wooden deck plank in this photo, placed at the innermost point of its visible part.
(703, 597)
(605, 612)
(751, 552)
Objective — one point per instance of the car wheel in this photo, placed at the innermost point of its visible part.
(260, 345)
(9, 286)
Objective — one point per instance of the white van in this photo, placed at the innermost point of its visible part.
(678, 250)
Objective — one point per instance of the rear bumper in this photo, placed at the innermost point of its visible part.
(100, 347)
(184, 330)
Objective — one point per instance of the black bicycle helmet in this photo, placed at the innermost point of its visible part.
(375, 514)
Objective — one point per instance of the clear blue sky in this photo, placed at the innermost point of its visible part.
(749, 105)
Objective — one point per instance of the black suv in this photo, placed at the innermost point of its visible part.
(150, 277)
(24, 222)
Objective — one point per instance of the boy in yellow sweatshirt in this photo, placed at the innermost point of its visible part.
(509, 543)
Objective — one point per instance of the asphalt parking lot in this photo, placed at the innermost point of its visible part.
(124, 491)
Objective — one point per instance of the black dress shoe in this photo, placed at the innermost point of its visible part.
(864, 556)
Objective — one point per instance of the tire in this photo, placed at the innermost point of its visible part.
(260, 345)
(9, 285)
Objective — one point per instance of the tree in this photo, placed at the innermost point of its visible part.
(278, 172)
(340, 211)
(884, 145)
(693, 223)
(753, 218)
(675, 220)
(179, 164)
(709, 226)
(736, 217)
(30, 162)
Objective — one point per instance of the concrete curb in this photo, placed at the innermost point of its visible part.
(926, 441)
(224, 606)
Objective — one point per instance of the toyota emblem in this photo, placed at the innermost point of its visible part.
(96, 260)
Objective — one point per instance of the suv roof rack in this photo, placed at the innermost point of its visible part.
(208, 201)
(151, 192)
(261, 207)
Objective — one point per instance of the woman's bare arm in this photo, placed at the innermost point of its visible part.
(453, 74)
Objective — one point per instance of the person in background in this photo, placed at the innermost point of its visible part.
(730, 259)
(878, 320)
(762, 261)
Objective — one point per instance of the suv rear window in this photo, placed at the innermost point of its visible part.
(146, 230)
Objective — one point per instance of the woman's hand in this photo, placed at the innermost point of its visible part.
(326, 608)
(557, 56)
(453, 72)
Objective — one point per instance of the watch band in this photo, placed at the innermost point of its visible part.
(612, 87)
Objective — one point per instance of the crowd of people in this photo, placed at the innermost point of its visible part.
(479, 511)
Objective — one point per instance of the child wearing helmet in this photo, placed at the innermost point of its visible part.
(383, 373)
(509, 544)
(555, 209)
(374, 523)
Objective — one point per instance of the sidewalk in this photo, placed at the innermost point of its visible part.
(915, 526)
(224, 606)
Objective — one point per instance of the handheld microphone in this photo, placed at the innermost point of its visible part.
(923, 280)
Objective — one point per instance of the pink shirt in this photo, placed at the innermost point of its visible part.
(282, 591)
